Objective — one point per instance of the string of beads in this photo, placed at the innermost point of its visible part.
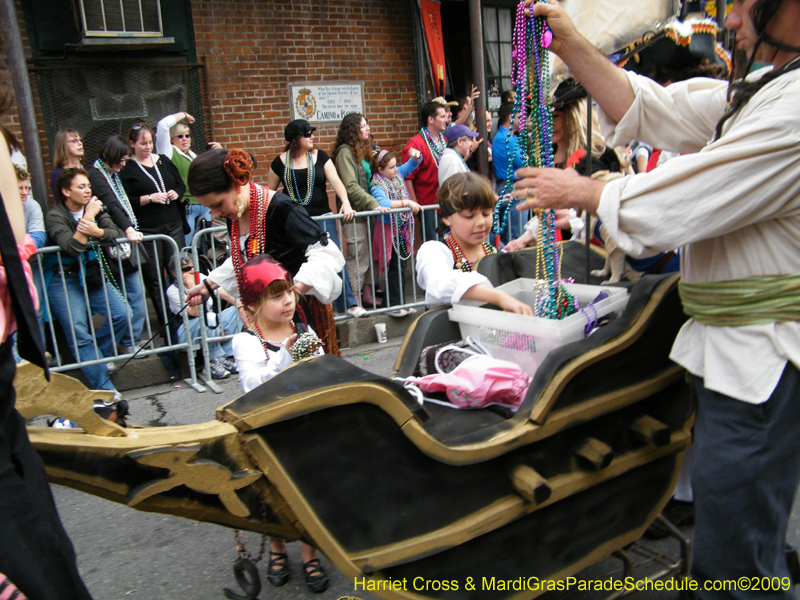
(291, 180)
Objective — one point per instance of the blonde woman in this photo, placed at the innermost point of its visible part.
(67, 153)
(174, 141)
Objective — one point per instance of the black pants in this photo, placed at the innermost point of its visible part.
(35, 551)
(745, 472)
(161, 253)
(395, 276)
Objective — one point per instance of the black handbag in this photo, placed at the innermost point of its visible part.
(94, 276)
(187, 229)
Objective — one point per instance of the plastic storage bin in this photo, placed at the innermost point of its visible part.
(527, 340)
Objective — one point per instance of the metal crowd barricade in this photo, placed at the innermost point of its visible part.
(371, 278)
(147, 330)
(205, 238)
(205, 339)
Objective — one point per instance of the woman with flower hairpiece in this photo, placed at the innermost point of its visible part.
(304, 170)
(261, 221)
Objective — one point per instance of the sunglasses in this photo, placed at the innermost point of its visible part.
(186, 269)
(308, 134)
(184, 136)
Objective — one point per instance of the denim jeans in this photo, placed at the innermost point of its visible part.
(194, 212)
(69, 307)
(133, 291)
(230, 322)
(347, 294)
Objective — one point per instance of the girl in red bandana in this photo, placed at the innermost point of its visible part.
(261, 352)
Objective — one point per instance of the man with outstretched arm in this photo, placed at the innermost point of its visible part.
(733, 203)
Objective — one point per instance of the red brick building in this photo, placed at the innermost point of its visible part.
(232, 64)
(253, 51)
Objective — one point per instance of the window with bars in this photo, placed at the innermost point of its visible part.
(498, 26)
(125, 18)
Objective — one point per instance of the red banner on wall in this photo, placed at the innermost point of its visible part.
(432, 24)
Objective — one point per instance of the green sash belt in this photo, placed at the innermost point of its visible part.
(757, 300)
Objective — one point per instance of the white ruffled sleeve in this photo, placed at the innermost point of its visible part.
(443, 284)
(225, 277)
(321, 271)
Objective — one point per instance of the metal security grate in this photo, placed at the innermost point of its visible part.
(124, 18)
(102, 101)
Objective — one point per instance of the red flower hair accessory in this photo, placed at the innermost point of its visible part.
(256, 276)
(238, 165)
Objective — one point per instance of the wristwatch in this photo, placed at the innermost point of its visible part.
(149, 198)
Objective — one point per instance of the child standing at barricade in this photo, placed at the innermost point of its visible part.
(393, 241)
(445, 269)
(268, 296)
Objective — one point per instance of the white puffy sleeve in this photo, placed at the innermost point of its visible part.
(321, 271)
(225, 277)
(163, 141)
(680, 117)
(443, 284)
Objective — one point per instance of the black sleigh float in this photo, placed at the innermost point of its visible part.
(411, 501)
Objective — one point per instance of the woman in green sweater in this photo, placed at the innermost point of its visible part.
(355, 164)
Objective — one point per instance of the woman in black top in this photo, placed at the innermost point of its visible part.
(290, 168)
(154, 187)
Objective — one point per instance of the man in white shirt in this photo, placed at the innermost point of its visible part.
(460, 140)
(734, 206)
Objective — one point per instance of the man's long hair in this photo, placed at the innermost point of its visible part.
(740, 91)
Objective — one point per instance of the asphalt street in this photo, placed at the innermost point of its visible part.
(124, 553)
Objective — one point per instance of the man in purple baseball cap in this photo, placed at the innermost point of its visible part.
(461, 142)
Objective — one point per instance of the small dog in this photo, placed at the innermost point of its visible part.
(616, 265)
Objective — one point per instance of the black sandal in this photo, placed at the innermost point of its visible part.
(316, 578)
(278, 569)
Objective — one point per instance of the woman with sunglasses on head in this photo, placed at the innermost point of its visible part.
(174, 141)
(154, 187)
(307, 188)
(107, 186)
(67, 152)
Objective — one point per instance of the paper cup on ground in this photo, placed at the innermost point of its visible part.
(380, 331)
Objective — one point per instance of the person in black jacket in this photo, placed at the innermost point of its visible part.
(107, 186)
(155, 189)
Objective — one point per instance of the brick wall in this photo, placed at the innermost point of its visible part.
(10, 119)
(257, 50)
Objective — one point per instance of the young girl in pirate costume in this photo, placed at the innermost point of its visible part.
(393, 241)
(278, 336)
(445, 270)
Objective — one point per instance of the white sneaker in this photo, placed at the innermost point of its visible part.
(132, 350)
(356, 311)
